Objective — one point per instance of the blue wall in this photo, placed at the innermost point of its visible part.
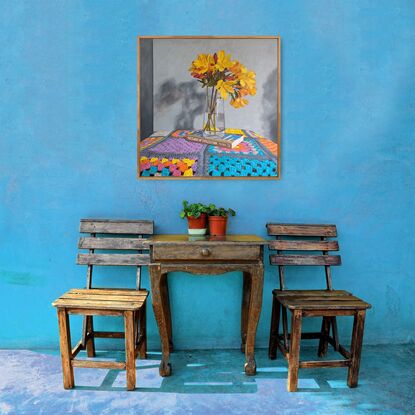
(67, 150)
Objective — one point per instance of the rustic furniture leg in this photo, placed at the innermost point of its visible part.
(255, 303)
(166, 307)
(294, 356)
(90, 341)
(161, 318)
(129, 349)
(274, 330)
(143, 331)
(325, 331)
(356, 348)
(246, 293)
(65, 346)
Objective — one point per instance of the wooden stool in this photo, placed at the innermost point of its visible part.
(89, 302)
(131, 304)
(328, 304)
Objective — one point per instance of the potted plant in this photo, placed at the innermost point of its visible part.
(218, 219)
(196, 214)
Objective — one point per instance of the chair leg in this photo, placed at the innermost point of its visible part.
(90, 342)
(356, 348)
(294, 356)
(325, 331)
(143, 332)
(274, 330)
(65, 346)
(130, 349)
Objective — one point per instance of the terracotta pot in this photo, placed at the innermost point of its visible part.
(197, 226)
(217, 225)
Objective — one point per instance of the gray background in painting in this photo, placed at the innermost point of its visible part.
(146, 87)
(179, 100)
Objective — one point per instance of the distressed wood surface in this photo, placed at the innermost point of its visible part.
(172, 253)
(113, 243)
(205, 252)
(314, 260)
(294, 354)
(288, 229)
(97, 364)
(113, 259)
(108, 291)
(311, 364)
(188, 240)
(117, 226)
(290, 245)
(356, 348)
(65, 348)
(316, 293)
(130, 350)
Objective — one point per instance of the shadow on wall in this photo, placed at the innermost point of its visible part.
(269, 101)
(188, 93)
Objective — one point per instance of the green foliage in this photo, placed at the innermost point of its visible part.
(193, 209)
(196, 209)
(220, 211)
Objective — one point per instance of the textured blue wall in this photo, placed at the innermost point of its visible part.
(67, 150)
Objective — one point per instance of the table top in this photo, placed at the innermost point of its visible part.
(168, 239)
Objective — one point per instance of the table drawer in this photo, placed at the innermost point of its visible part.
(206, 252)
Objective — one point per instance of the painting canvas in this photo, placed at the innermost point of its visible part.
(209, 107)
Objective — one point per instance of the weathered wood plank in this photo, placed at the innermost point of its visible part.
(284, 245)
(294, 354)
(109, 334)
(108, 291)
(117, 226)
(98, 304)
(113, 243)
(327, 305)
(98, 364)
(310, 364)
(113, 259)
(317, 293)
(205, 252)
(356, 348)
(288, 229)
(94, 297)
(130, 349)
(305, 259)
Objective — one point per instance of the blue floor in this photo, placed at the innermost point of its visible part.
(208, 382)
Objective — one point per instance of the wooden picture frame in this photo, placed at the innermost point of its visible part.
(157, 156)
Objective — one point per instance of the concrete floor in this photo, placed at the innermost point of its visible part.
(208, 382)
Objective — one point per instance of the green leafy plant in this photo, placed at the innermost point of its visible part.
(193, 209)
(220, 211)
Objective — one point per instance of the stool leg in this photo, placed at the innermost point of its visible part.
(129, 349)
(90, 342)
(294, 356)
(65, 346)
(143, 331)
(325, 331)
(274, 330)
(356, 348)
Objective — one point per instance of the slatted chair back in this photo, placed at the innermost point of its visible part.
(125, 237)
(308, 239)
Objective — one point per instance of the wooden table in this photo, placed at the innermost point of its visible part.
(208, 256)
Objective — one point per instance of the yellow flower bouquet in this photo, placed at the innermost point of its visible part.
(222, 78)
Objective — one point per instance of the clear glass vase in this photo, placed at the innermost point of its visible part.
(214, 115)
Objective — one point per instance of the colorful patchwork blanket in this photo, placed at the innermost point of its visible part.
(170, 154)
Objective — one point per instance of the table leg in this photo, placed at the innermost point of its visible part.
(156, 278)
(166, 307)
(246, 294)
(255, 303)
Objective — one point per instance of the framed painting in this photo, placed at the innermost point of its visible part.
(209, 107)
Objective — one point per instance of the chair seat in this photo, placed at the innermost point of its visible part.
(102, 299)
(319, 300)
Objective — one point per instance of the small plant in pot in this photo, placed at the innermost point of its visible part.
(196, 214)
(218, 220)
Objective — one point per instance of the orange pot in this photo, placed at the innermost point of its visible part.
(197, 226)
(217, 225)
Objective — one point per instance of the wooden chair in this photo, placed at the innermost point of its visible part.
(328, 303)
(89, 302)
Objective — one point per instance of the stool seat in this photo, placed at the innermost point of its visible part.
(319, 300)
(102, 299)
